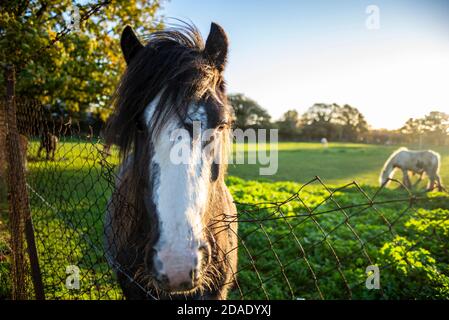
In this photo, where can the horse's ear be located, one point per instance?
(216, 48)
(130, 44)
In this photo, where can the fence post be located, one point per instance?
(19, 209)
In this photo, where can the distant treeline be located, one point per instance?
(339, 123)
(331, 121)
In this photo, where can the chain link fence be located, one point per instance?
(296, 241)
(304, 242)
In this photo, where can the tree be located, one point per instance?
(353, 123)
(436, 125)
(248, 113)
(316, 122)
(77, 73)
(412, 130)
(432, 129)
(288, 125)
(333, 122)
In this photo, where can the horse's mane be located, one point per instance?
(171, 65)
(394, 154)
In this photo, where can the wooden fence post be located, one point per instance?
(19, 209)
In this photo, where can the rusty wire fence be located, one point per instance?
(309, 241)
(296, 241)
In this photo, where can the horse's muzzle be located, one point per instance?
(181, 271)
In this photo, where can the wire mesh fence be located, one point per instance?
(326, 245)
(294, 241)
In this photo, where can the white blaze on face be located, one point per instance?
(180, 194)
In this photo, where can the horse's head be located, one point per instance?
(172, 119)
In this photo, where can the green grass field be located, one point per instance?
(290, 253)
(338, 164)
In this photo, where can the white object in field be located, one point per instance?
(324, 142)
(415, 161)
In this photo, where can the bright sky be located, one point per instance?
(292, 54)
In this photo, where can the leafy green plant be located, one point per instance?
(313, 246)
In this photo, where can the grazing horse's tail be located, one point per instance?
(388, 168)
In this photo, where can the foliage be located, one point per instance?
(75, 188)
(78, 73)
(248, 113)
(413, 264)
(340, 123)
(433, 128)
(288, 125)
(334, 122)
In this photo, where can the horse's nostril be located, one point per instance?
(178, 285)
(180, 271)
(162, 278)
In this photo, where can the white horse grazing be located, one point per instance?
(324, 142)
(417, 162)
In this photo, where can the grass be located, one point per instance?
(338, 164)
(69, 197)
(335, 246)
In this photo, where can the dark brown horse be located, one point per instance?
(49, 143)
(166, 234)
